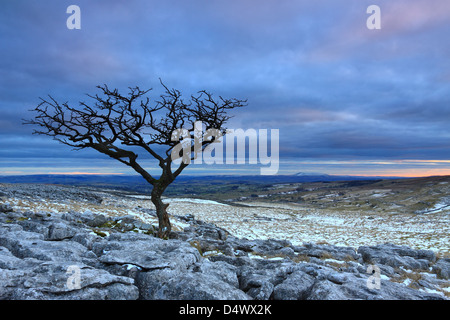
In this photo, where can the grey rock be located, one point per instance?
(397, 256)
(150, 281)
(9, 217)
(206, 245)
(287, 252)
(317, 271)
(10, 281)
(9, 227)
(40, 215)
(151, 253)
(297, 286)
(197, 286)
(442, 268)
(270, 246)
(337, 277)
(143, 226)
(132, 236)
(125, 223)
(327, 251)
(60, 231)
(38, 248)
(259, 279)
(10, 261)
(86, 239)
(170, 284)
(355, 288)
(23, 244)
(96, 220)
(52, 280)
(125, 219)
(34, 226)
(33, 268)
(221, 270)
(385, 270)
(396, 291)
(5, 207)
(240, 261)
(74, 216)
(326, 290)
(263, 292)
(207, 230)
(253, 278)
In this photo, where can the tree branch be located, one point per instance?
(115, 120)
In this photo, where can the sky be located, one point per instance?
(346, 99)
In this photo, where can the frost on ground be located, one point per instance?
(109, 234)
(251, 220)
(298, 225)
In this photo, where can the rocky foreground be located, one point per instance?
(92, 256)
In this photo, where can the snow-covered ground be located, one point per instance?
(299, 225)
(439, 207)
(196, 201)
(263, 220)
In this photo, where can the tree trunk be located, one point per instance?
(164, 226)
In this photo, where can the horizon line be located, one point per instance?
(227, 174)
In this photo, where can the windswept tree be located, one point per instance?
(117, 125)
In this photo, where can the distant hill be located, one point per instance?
(117, 179)
(137, 183)
(316, 174)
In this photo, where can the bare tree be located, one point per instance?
(115, 124)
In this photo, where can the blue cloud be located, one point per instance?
(310, 69)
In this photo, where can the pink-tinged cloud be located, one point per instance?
(404, 173)
(409, 16)
(399, 19)
(376, 168)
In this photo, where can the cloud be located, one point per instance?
(407, 29)
(309, 68)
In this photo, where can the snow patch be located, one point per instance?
(197, 201)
